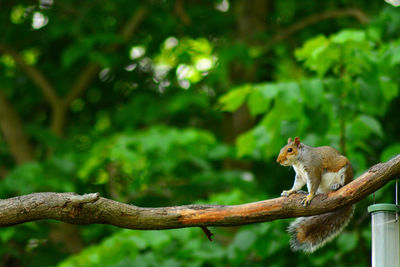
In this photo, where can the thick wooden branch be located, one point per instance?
(93, 209)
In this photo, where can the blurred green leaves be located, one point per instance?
(344, 51)
(347, 241)
(184, 247)
(151, 128)
(86, 48)
(147, 160)
(52, 175)
(159, 149)
(235, 98)
(390, 152)
(352, 85)
(192, 58)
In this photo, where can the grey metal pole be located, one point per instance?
(385, 235)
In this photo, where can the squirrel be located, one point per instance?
(323, 169)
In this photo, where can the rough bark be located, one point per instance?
(91, 208)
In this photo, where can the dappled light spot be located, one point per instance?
(146, 64)
(222, 6)
(39, 20)
(46, 4)
(105, 75)
(170, 42)
(161, 70)
(395, 3)
(131, 67)
(184, 71)
(137, 52)
(185, 84)
(204, 64)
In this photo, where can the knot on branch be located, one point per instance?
(91, 208)
(75, 202)
(75, 199)
(376, 167)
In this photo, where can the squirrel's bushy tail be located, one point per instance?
(310, 233)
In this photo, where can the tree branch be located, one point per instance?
(315, 18)
(132, 25)
(91, 70)
(58, 104)
(12, 129)
(91, 208)
(180, 12)
(35, 74)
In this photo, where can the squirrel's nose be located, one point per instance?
(278, 160)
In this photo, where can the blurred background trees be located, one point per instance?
(159, 103)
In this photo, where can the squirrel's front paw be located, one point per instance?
(286, 193)
(307, 200)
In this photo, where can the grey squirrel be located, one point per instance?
(323, 169)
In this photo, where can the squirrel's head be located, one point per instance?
(289, 153)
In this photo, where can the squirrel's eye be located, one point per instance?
(289, 149)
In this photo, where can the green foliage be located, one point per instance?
(351, 86)
(183, 247)
(193, 107)
(390, 152)
(234, 98)
(52, 175)
(151, 157)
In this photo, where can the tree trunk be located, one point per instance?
(13, 132)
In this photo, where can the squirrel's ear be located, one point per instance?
(297, 141)
(289, 140)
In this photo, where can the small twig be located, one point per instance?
(315, 18)
(181, 13)
(208, 233)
